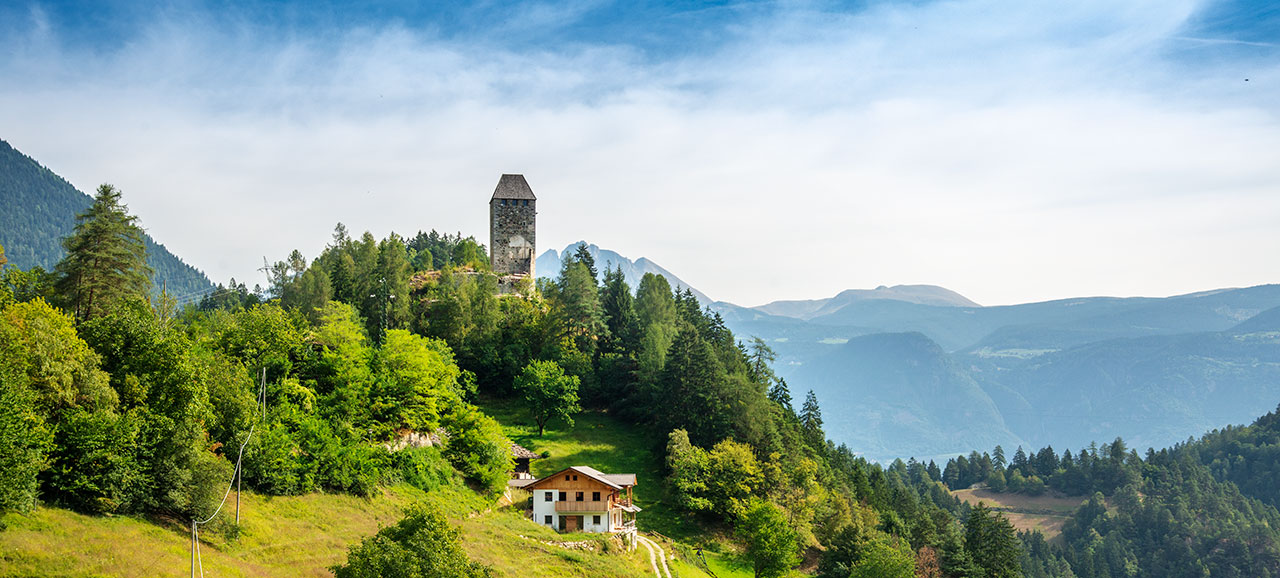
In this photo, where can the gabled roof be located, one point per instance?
(616, 481)
(513, 187)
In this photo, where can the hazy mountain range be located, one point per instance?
(904, 378)
(919, 370)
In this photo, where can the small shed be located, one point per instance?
(522, 457)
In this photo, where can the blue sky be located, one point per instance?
(1010, 151)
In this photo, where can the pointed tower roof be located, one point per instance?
(513, 187)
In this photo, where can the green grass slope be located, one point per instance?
(294, 536)
(301, 536)
(610, 445)
(606, 444)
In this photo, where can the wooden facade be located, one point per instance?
(581, 498)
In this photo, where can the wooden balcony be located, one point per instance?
(583, 506)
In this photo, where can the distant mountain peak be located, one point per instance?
(918, 294)
(548, 266)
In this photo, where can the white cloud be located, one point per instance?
(1005, 150)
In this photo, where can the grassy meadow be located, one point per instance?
(1046, 513)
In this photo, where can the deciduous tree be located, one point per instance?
(548, 392)
(771, 543)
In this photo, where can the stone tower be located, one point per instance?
(512, 213)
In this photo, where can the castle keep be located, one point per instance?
(512, 212)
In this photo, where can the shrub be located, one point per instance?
(422, 545)
(477, 447)
(93, 467)
(423, 468)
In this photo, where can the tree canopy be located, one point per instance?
(106, 259)
(548, 392)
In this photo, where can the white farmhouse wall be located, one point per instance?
(542, 508)
(603, 526)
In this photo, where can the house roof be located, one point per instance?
(623, 480)
(616, 481)
(517, 451)
(513, 187)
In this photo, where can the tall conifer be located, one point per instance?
(106, 259)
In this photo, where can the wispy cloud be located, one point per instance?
(1007, 150)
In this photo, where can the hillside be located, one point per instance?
(39, 209)
(1153, 391)
(1154, 371)
(318, 528)
(288, 536)
(900, 394)
(1045, 514)
(1048, 372)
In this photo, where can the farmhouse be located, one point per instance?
(584, 499)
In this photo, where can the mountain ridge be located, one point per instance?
(549, 262)
(919, 294)
(40, 208)
(1062, 371)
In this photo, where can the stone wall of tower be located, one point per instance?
(512, 236)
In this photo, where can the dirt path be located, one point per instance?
(655, 551)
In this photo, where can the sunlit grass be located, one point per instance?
(607, 444)
(291, 536)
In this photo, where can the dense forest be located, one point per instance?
(117, 401)
(1204, 507)
(39, 209)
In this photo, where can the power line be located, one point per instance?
(196, 561)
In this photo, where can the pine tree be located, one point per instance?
(781, 395)
(583, 255)
(692, 389)
(106, 259)
(619, 311)
(579, 299)
(992, 542)
(1019, 460)
(811, 420)
(761, 357)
